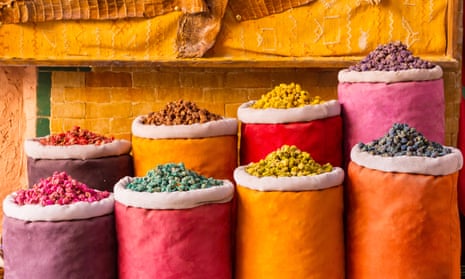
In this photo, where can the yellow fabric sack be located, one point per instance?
(209, 149)
(295, 234)
(402, 224)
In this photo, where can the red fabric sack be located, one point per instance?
(316, 129)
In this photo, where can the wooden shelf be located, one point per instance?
(447, 63)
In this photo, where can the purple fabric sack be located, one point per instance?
(74, 249)
(99, 173)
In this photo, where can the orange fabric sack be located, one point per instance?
(209, 149)
(402, 224)
(289, 233)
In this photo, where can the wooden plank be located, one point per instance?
(447, 63)
(452, 28)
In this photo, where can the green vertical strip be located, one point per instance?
(42, 126)
(44, 88)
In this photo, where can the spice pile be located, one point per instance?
(287, 161)
(404, 140)
(60, 188)
(75, 136)
(171, 177)
(286, 96)
(393, 56)
(180, 113)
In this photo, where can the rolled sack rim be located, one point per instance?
(346, 75)
(172, 200)
(223, 127)
(36, 150)
(55, 212)
(327, 109)
(443, 165)
(289, 184)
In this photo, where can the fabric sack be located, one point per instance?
(170, 235)
(289, 227)
(72, 241)
(98, 166)
(372, 101)
(316, 129)
(402, 216)
(209, 149)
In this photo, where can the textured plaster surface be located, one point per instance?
(17, 121)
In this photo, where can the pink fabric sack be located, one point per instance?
(172, 235)
(372, 103)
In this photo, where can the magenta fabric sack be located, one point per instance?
(174, 235)
(72, 241)
(99, 167)
(372, 101)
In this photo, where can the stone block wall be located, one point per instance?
(107, 100)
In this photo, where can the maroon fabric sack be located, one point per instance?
(99, 173)
(75, 249)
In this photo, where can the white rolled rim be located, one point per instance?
(289, 184)
(172, 200)
(247, 114)
(55, 212)
(223, 127)
(346, 75)
(443, 165)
